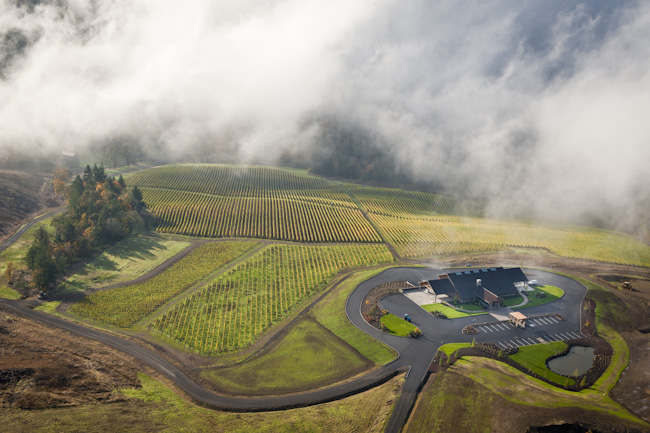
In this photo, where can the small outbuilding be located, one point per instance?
(518, 319)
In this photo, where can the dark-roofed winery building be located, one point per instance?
(488, 286)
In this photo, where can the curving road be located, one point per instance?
(415, 355)
(418, 353)
(21, 231)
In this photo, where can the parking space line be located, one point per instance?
(576, 335)
(502, 345)
(531, 340)
(485, 328)
(568, 337)
(495, 328)
(553, 319)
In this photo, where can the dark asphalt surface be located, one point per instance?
(418, 353)
(415, 355)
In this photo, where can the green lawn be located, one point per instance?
(552, 293)
(451, 313)
(330, 312)
(449, 348)
(307, 357)
(125, 261)
(396, 325)
(471, 307)
(516, 300)
(534, 358)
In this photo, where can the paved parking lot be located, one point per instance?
(529, 341)
(506, 326)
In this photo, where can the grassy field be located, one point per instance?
(552, 293)
(452, 403)
(534, 358)
(157, 408)
(232, 312)
(125, 261)
(520, 388)
(396, 325)
(307, 357)
(451, 313)
(124, 306)
(330, 312)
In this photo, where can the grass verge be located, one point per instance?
(8, 293)
(330, 312)
(307, 357)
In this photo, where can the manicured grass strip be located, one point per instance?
(330, 312)
(241, 304)
(451, 313)
(124, 306)
(552, 293)
(307, 357)
(449, 348)
(396, 325)
(125, 261)
(534, 358)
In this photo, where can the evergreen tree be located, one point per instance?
(99, 175)
(88, 177)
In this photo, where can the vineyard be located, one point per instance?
(423, 236)
(239, 306)
(270, 203)
(124, 306)
(259, 202)
(397, 202)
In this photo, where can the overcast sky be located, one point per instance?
(541, 105)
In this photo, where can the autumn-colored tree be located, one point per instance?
(61, 177)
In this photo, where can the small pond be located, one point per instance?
(579, 358)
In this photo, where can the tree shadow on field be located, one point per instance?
(140, 247)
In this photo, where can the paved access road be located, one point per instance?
(418, 353)
(415, 354)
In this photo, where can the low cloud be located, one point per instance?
(537, 106)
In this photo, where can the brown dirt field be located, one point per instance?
(42, 367)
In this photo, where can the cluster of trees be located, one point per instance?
(119, 152)
(101, 211)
